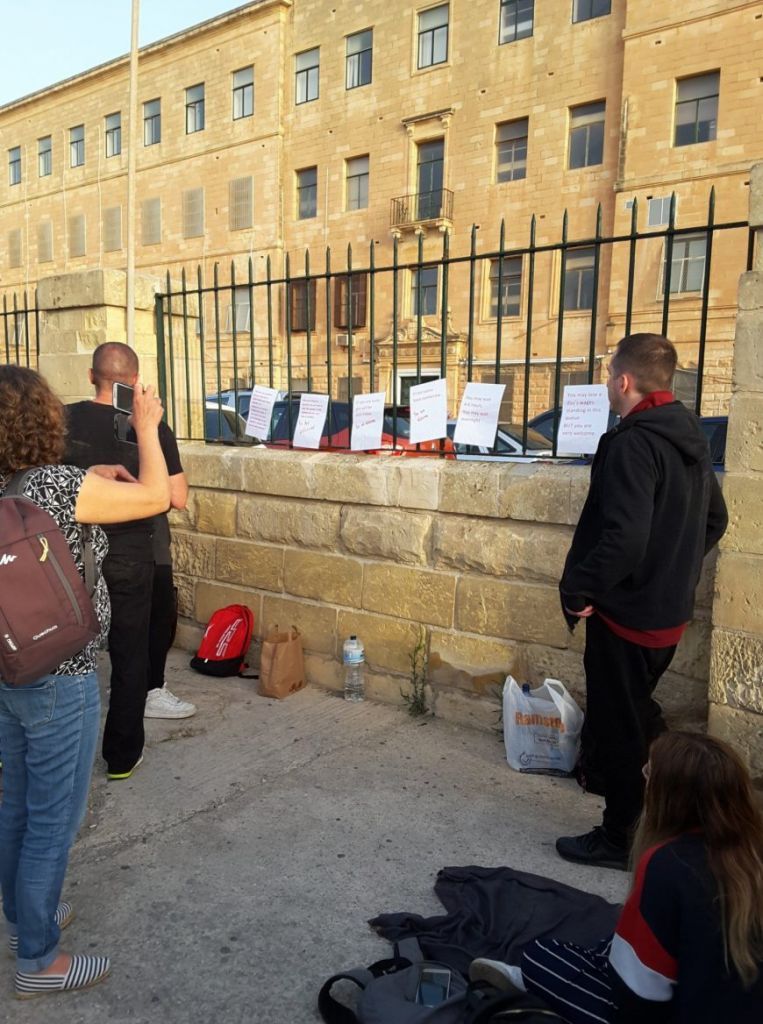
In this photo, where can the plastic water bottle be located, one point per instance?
(353, 657)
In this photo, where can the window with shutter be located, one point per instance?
(193, 212)
(44, 241)
(151, 221)
(356, 300)
(240, 204)
(77, 245)
(112, 229)
(14, 248)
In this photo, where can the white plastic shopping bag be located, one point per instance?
(541, 727)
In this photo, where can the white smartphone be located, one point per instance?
(434, 986)
(121, 397)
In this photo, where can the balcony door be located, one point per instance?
(429, 177)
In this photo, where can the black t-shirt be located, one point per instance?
(92, 440)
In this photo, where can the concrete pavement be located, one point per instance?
(237, 869)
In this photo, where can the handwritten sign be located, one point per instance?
(478, 416)
(367, 421)
(260, 411)
(311, 420)
(429, 410)
(585, 414)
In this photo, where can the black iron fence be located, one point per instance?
(20, 329)
(534, 316)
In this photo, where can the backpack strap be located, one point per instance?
(334, 1012)
(409, 949)
(15, 488)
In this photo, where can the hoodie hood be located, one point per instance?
(673, 422)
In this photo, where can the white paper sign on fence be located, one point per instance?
(311, 420)
(478, 416)
(429, 410)
(585, 414)
(260, 411)
(367, 421)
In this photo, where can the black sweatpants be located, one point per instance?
(162, 624)
(622, 719)
(130, 585)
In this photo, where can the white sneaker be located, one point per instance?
(160, 703)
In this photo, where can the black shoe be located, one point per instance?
(593, 848)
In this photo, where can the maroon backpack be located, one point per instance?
(46, 611)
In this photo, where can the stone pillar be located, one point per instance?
(736, 668)
(80, 311)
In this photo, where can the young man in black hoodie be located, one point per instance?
(654, 510)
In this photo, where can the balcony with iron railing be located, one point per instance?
(419, 209)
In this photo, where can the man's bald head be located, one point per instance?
(114, 362)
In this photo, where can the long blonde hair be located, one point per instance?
(698, 783)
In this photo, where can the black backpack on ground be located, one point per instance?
(389, 988)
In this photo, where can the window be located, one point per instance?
(151, 221)
(424, 292)
(584, 10)
(77, 236)
(586, 135)
(355, 295)
(433, 36)
(44, 157)
(697, 109)
(307, 193)
(14, 248)
(299, 303)
(359, 59)
(44, 241)
(578, 279)
(507, 375)
(687, 265)
(193, 212)
(511, 150)
(152, 122)
(243, 93)
(240, 204)
(516, 20)
(77, 146)
(113, 134)
(14, 166)
(659, 211)
(430, 170)
(510, 286)
(194, 109)
(357, 183)
(567, 378)
(307, 71)
(242, 309)
(112, 229)
(343, 389)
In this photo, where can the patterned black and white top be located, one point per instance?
(55, 489)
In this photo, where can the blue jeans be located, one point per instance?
(48, 735)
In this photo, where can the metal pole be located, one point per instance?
(132, 145)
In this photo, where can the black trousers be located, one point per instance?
(162, 624)
(622, 719)
(130, 585)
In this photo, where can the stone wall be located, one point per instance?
(379, 546)
(736, 685)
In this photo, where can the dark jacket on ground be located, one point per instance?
(654, 509)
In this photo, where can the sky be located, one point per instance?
(71, 36)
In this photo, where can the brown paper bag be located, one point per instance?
(282, 664)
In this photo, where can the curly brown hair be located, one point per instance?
(32, 421)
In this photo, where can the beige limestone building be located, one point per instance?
(289, 125)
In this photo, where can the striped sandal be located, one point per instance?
(64, 916)
(84, 972)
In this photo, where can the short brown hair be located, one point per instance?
(649, 358)
(32, 421)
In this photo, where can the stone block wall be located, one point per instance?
(383, 546)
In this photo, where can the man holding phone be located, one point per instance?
(98, 434)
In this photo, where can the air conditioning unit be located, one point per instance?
(343, 340)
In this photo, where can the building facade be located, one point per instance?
(289, 126)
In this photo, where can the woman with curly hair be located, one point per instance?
(49, 728)
(688, 947)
